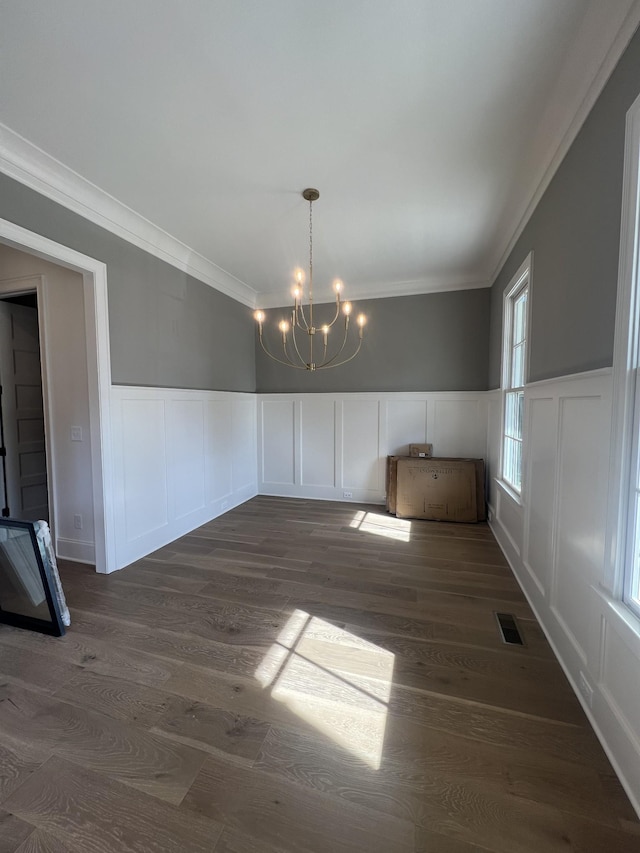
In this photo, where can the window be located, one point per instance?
(514, 370)
(623, 574)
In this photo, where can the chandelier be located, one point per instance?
(318, 354)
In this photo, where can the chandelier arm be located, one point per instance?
(302, 366)
(287, 363)
(299, 311)
(340, 363)
(339, 351)
(337, 314)
(295, 345)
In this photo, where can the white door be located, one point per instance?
(22, 414)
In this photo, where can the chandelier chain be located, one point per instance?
(311, 249)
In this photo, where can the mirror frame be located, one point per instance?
(54, 625)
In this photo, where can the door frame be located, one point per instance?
(96, 321)
(15, 287)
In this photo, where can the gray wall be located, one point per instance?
(166, 328)
(574, 233)
(433, 342)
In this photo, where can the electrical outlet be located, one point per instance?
(76, 433)
(586, 689)
(77, 522)
(347, 494)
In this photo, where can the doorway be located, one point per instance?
(96, 357)
(23, 458)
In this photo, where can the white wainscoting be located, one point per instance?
(326, 445)
(555, 542)
(181, 458)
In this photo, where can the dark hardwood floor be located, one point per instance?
(300, 677)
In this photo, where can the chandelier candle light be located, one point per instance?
(302, 320)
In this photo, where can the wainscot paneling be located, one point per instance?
(554, 539)
(494, 420)
(455, 425)
(542, 429)
(360, 428)
(317, 442)
(181, 458)
(334, 446)
(278, 449)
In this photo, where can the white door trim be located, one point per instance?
(29, 284)
(94, 275)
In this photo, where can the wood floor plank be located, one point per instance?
(104, 816)
(417, 767)
(434, 842)
(18, 760)
(443, 564)
(619, 803)
(222, 583)
(408, 586)
(77, 574)
(500, 661)
(97, 654)
(215, 620)
(436, 623)
(229, 556)
(234, 841)
(281, 813)
(100, 743)
(167, 714)
(186, 597)
(43, 842)
(440, 668)
(41, 671)
(214, 730)
(436, 605)
(229, 586)
(169, 645)
(13, 832)
(119, 698)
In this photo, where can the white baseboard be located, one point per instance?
(76, 551)
(324, 493)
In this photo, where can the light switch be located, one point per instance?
(76, 433)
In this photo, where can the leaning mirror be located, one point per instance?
(27, 593)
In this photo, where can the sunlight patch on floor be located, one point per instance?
(333, 680)
(382, 525)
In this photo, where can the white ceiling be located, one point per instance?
(429, 126)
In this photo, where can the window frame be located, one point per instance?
(621, 579)
(521, 281)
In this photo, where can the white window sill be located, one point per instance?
(509, 491)
(628, 624)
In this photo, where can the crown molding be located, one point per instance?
(33, 167)
(595, 80)
(382, 291)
